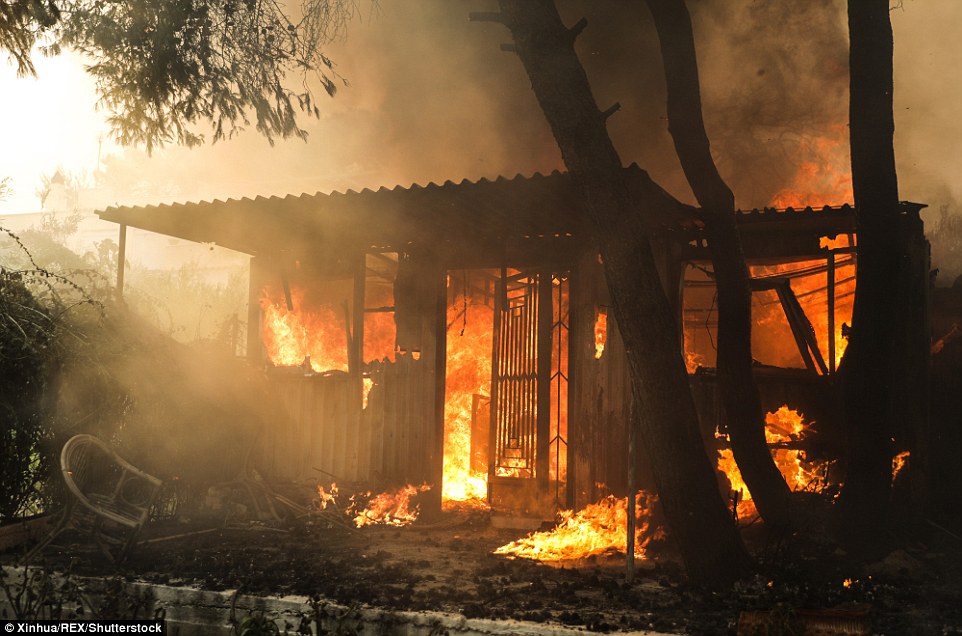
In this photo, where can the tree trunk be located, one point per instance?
(736, 382)
(869, 369)
(668, 424)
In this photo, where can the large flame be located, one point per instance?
(393, 508)
(293, 336)
(774, 342)
(599, 528)
(824, 177)
(468, 374)
(783, 425)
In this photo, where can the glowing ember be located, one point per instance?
(468, 374)
(293, 337)
(600, 528)
(783, 425)
(388, 508)
(601, 332)
(825, 178)
(898, 463)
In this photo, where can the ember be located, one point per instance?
(783, 425)
(600, 528)
(388, 508)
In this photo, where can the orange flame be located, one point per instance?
(898, 463)
(783, 425)
(293, 337)
(327, 497)
(825, 178)
(388, 508)
(599, 528)
(601, 332)
(468, 374)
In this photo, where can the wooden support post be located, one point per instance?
(830, 269)
(630, 548)
(254, 311)
(356, 355)
(121, 260)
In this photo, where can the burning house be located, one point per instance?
(458, 335)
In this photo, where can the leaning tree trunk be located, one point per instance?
(736, 382)
(668, 424)
(869, 368)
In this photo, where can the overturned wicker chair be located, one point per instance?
(106, 496)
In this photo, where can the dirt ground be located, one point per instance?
(447, 565)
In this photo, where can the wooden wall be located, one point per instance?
(598, 393)
(396, 439)
(328, 437)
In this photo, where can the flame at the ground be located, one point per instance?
(467, 385)
(783, 425)
(393, 508)
(599, 528)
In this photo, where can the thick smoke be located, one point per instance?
(432, 98)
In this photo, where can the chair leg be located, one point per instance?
(62, 525)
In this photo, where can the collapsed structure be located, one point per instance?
(457, 335)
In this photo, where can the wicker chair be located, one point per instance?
(107, 497)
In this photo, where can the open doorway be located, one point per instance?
(506, 390)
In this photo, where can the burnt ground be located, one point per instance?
(447, 566)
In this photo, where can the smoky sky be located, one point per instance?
(433, 98)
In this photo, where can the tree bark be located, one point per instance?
(869, 367)
(736, 382)
(668, 426)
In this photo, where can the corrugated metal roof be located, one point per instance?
(468, 213)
